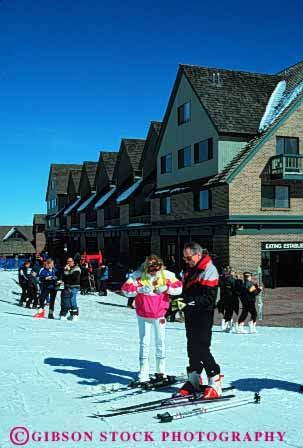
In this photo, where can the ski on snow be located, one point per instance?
(168, 400)
(172, 404)
(167, 417)
(141, 388)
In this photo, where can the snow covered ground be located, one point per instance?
(52, 371)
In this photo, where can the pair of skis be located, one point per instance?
(172, 402)
(135, 388)
(166, 417)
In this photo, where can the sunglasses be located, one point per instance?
(154, 267)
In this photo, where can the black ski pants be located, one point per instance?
(249, 306)
(231, 307)
(24, 294)
(33, 295)
(43, 296)
(198, 326)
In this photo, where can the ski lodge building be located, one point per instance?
(224, 168)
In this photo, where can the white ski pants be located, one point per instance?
(145, 326)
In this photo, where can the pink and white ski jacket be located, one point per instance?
(152, 292)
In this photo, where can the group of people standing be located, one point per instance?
(233, 290)
(40, 281)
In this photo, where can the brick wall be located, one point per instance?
(245, 250)
(245, 189)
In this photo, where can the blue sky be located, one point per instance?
(77, 76)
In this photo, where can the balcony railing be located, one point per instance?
(287, 167)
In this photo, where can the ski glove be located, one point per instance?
(161, 289)
(145, 289)
(180, 303)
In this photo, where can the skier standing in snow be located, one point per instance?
(48, 281)
(71, 279)
(32, 290)
(229, 294)
(200, 286)
(23, 276)
(151, 286)
(248, 295)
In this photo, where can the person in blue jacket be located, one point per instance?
(48, 282)
(103, 275)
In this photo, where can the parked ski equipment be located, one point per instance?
(167, 417)
(180, 401)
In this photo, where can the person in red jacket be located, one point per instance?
(200, 288)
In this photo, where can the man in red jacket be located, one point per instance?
(200, 286)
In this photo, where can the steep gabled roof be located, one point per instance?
(293, 76)
(109, 159)
(60, 171)
(234, 100)
(91, 168)
(10, 246)
(249, 149)
(76, 175)
(134, 148)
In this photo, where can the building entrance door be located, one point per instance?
(287, 268)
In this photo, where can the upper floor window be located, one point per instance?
(184, 157)
(165, 205)
(287, 145)
(275, 196)
(166, 164)
(203, 150)
(184, 113)
(202, 200)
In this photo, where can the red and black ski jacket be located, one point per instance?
(200, 284)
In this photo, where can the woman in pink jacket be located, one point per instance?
(151, 286)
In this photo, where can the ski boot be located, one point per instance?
(214, 387)
(40, 314)
(223, 325)
(229, 326)
(252, 327)
(192, 386)
(51, 314)
(239, 328)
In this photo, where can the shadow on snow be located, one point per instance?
(259, 384)
(92, 373)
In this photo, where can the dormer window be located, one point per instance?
(287, 145)
(184, 113)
